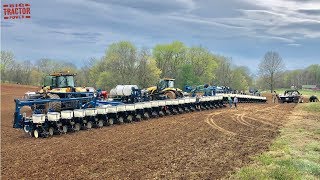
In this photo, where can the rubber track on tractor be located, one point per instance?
(55, 105)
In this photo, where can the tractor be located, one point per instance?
(56, 86)
(164, 90)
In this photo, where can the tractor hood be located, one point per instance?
(152, 88)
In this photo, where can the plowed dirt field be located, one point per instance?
(201, 145)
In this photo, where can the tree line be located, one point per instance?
(124, 63)
(272, 74)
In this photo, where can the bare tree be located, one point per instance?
(271, 67)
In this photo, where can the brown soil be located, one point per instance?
(201, 145)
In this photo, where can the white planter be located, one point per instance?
(79, 113)
(121, 108)
(66, 114)
(91, 112)
(192, 100)
(38, 118)
(130, 107)
(181, 101)
(154, 103)
(112, 109)
(168, 102)
(102, 110)
(175, 102)
(187, 100)
(147, 105)
(139, 106)
(162, 103)
(53, 116)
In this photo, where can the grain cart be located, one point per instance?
(291, 96)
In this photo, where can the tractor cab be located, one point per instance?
(165, 83)
(59, 80)
(61, 83)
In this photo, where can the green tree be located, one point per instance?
(198, 68)
(169, 58)
(124, 64)
(7, 61)
(148, 74)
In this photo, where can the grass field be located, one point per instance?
(293, 155)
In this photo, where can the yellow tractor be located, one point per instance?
(164, 89)
(56, 86)
(62, 82)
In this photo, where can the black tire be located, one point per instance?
(77, 127)
(64, 129)
(50, 131)
(36, 133)
(110, 121)
(129, 118)
(161, 113)
(146, 115)
(168, 112)
(100, 123)
(89, 125)
(55, 106)
(120, 120)
(138, 117)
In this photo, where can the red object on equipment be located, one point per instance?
(104, 94)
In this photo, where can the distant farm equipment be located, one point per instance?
(290, 96)
(164, 89)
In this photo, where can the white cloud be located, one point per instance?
(294, 44)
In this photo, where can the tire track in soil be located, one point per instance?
(211, 123)
(241, 119)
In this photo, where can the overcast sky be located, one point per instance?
(75, 30)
